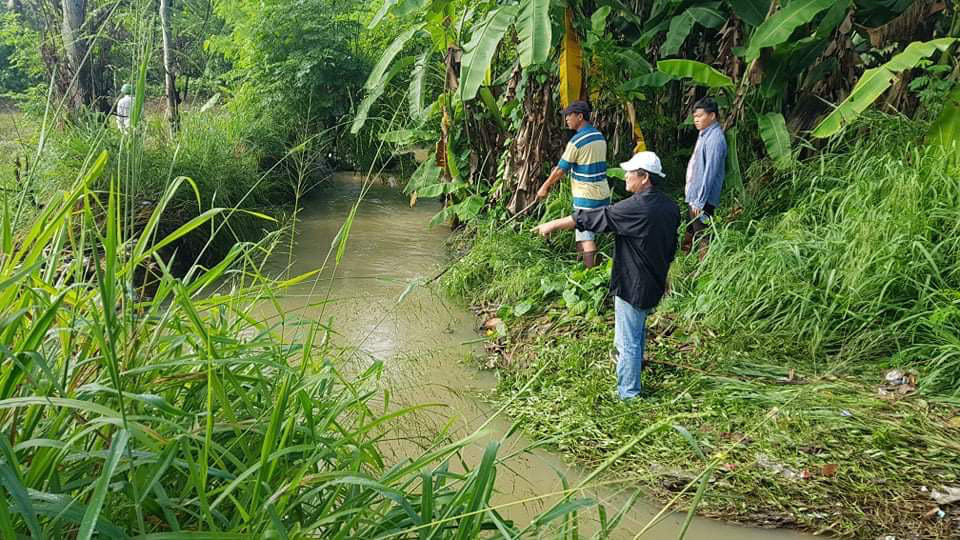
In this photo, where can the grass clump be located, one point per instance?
(232, 159)
(863, 270)
(500, 266)
(774, 349)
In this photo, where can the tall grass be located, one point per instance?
(170, 411)
(157, 418)
(863, 267)
(231, 162)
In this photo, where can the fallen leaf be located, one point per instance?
(954, 422)
(947, 496)
(730, 467)
(805, 474)
(828, 470)
(766, 462)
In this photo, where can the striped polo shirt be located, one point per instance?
(586, 158)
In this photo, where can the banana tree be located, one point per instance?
(876, 81)
(530, 20)
(786, 50)
(775, 64)
(468, 38)
(945, 132)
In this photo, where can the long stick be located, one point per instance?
(513, 217)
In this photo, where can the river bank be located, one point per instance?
(837, 452)
(426, 345)
(809, 356)
(234, 164)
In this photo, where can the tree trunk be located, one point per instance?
(173, 114)
(79, 90)
(533, 147)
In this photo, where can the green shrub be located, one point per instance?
(235, 160)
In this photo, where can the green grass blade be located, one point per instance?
(564, 509)
(482, 486)
(426, 502)
(117, 446)
(10, 480)
(692, 512)
(183, 230)
(196, 535)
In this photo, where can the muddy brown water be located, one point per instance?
(424, 343)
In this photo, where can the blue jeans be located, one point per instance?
(630, 334)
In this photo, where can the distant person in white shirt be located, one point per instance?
(124, 106)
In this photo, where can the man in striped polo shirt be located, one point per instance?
(586, 158)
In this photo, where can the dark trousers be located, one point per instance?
(697, 231)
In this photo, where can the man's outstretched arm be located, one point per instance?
(561, 224)
(614, 218)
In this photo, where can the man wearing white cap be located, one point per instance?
(645, 225)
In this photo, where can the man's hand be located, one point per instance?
(543, 191)
(695, 211)
(543, 230)
(555, 175)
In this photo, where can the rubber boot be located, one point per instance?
(703, 245)
(687, 244)
(589, 259)
(579, 251)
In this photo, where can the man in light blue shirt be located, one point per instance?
(705, 173)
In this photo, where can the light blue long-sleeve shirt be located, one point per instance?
(707, 168)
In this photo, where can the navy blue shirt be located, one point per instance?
(646, 226)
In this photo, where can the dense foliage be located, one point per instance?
(297, 58)
(775, 67)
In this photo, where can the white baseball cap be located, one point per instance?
(647, 161)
